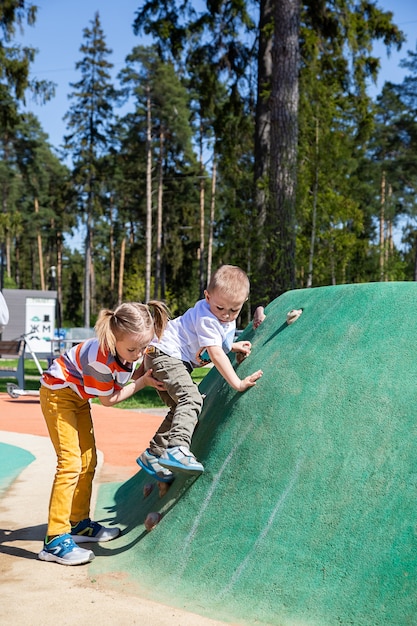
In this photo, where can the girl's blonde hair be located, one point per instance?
(230, 280)
(131, 318)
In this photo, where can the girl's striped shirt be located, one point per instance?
(88, 371)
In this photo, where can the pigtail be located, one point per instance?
(132, 318)
(104, 331)
(161, 316)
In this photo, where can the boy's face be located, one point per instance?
(224, 307)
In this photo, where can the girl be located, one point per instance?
(99, 367)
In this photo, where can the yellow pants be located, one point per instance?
(68, 418)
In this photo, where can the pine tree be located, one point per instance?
(15, 63)
(162, 115)
(89, 119)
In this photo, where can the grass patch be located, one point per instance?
(148, 398)
(32, 375)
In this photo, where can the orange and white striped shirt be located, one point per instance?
(88, 371)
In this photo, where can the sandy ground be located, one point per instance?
(36, 593)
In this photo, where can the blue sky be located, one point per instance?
(58, 35)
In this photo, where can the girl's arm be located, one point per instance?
(221, 361)
(139, 371)
(146, 380)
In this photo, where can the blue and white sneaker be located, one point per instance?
(181, 459)
(63, 550)
(87, 530)
(150, 463)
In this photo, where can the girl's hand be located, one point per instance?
(149, 381)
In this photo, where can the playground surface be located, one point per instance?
(305, 514)
(38, 593)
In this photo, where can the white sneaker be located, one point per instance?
(180, 459)
(150, 463)
(63, 550)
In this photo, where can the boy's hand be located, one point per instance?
(258, 317)
(250, 380)
(243, 349)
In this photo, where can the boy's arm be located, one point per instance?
(221, 361)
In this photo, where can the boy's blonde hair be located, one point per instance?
(131, 318)
(230, 280)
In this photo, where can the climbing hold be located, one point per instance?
(293, 315)
(163, 488)
(147, 489)
(152, 520)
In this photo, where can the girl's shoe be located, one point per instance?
(150, 463)
(65, 551)
(87, 530)
(181, 459)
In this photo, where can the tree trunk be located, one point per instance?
(111, 250)
(284, 141)
(415, 259)
(148, 197)
(40, 253)
(389, 244)
(121, 271)
(87, 265)
(332, 262)
(202, 219)
(314, 217)
(211, 222)
(59, 246)
(157, 286)
(381, 229)
(93, 284)
(8, 260)
(262, 142)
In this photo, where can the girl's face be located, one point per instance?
(224, 307)
(130, 348)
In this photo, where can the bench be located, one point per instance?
(14, 349)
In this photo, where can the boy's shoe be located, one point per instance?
(181, 459)
(150, 463)
(87, 530)
(65, 551)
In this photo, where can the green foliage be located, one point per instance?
(72, 305)
(200, 75)
(337, 190)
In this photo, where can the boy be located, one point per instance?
(205, 333)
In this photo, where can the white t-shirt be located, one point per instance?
(4, 312)
(187, 336)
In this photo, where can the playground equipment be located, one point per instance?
(14, 390)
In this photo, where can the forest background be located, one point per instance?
(191, 176)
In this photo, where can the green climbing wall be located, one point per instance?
(306, 513)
